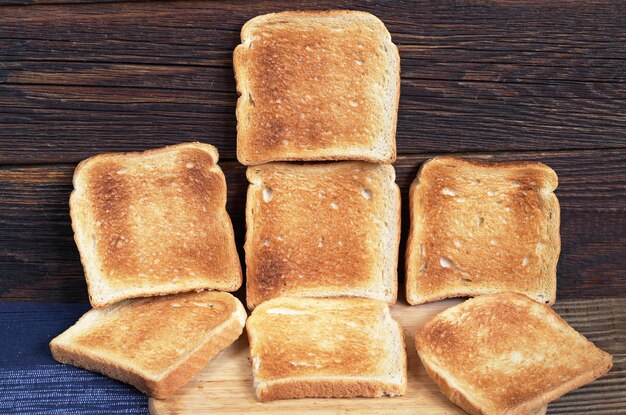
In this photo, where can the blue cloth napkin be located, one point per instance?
(31, 382)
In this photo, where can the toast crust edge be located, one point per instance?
(329, 388)
(457, 396)
(396, 247)
(416, 227)
(536, 406)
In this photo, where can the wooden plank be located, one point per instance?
(225, 384)
(338, 3)
(65, 2)
(476, 77)
(39, 261)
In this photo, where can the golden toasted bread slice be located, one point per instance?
(153, 223)
(506, 354)
(316, 85)
(326, 347)
(480, 228)
(322, 230)
(155, 344)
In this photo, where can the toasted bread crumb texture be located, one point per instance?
(155, 344)
(481, 227)
(339, 347)
(154, 223)
(505, 353)
(322, 230)
(316, 86)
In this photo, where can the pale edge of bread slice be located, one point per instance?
(461, 397)
(244, 102)
(417, 230)
(331, 386)
(81, 222)
(168, 381)
(389, 263)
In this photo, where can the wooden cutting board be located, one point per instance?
(225, 384)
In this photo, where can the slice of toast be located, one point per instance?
(506, 354)
(325, 348)
(153, 223)
(482, 227)
(316, 85)
(322, 230)
(155, 344)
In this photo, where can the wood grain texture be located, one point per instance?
(39, 260)
(476, 76)
(225, 384)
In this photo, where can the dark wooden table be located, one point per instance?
(536, 80)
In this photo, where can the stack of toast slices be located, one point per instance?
(317, 114)
(322, 238)
(153, 224)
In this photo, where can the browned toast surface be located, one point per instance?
(505, 353)
(153, 223)
(482, 227)
(322, 230)
(316, 85)
(156, 344)
(326, 347)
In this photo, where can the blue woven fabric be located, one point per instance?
(31, 382)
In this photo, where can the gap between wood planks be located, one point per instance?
(74, 3)
(501, 154)
(520, 81)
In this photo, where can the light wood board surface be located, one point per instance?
(225, 384)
